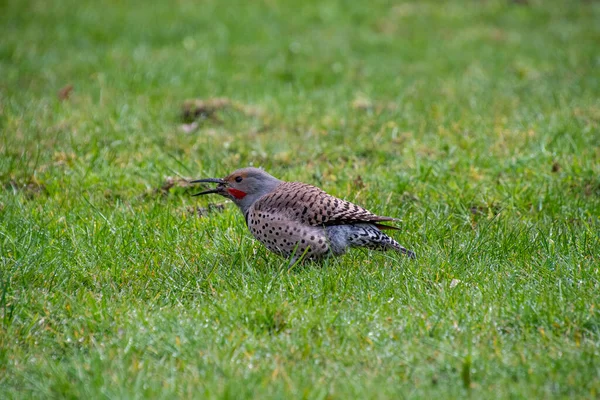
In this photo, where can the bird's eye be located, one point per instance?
(238, 179)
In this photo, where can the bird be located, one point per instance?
(299, 221)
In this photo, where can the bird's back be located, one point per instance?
(311, 206)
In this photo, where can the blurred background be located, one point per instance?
(337, 85)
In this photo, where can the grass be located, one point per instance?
(477, 123)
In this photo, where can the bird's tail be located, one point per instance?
(396, 246)
(369, 236)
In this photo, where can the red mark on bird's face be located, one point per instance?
(238, 194)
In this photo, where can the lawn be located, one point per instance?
(477, 123)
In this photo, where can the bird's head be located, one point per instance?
(243, 186)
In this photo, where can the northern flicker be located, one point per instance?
(297, 220)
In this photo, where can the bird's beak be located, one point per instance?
(218, 189)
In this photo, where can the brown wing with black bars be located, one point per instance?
(310, 205)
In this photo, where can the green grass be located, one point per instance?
(477, 123)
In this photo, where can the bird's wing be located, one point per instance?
(312, 206)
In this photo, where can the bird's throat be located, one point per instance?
(238, 194)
